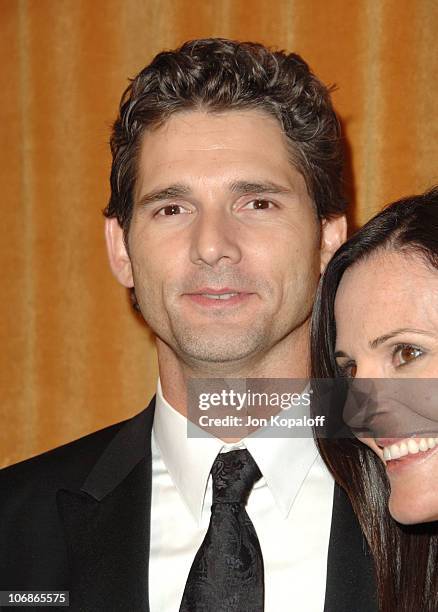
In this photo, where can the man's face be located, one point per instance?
(224, 242)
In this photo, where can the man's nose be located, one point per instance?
(215, 239)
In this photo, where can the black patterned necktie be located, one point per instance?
(227, 573)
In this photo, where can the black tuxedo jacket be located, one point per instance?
(78, 519)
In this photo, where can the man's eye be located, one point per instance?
(172, 209)
(404, 353)
(259, 204)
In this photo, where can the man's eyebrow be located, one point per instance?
(243, 187)
(172, 191)
(402, 330)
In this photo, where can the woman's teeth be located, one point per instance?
(408, 447)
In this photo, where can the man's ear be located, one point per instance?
(333, 234)
(117, 253)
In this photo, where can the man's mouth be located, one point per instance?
(219, 296)
(225, 296)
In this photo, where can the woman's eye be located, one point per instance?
(172, 209)
(404, 353)
(347, 370)
(259, 204)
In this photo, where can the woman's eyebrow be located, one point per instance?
(373, 344)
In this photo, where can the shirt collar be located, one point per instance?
(284, 462)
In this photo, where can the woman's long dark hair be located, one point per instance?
(406, 557)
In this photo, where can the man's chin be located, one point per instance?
(228, 348)
(216, 354)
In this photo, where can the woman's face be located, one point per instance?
(386, 312)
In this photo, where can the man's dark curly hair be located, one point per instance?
(217, 75)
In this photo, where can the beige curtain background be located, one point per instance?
(73, 356)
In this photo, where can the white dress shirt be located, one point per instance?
(290, 507)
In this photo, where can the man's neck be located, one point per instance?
(286, 360)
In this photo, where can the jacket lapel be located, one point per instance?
(107, 532)
(107, 524)
(351, 583)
